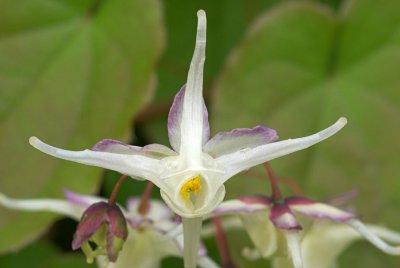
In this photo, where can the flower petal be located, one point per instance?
(261, 231)
(373, 238)
(81, 200)
(239, 139)
(238, 206)
(293, 242)
(283, 218)
(325, 241)
(175, 119)
(158, 210)
(318, 210)
(157, 151)
(245, 159)
(52, 205)
(136, 166)
(206, 262)
(192, 121)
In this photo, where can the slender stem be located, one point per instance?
(276, 192)
(222, 242)
(144, 205)
(191, 238)
(113, 196)
(290, 183)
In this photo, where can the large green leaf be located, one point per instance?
(299, 69)
(71, 73)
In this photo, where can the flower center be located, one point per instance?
(192, 186)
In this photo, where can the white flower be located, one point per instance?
(147, 243)
(266, 221)
(191, 176)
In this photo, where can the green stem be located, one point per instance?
(191, 233)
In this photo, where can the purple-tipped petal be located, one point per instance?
(118, 147)
(117, 222)
(239, 139)
(132, 204)
(93, 217)
(318, 210)
(81, 200)
(239, 206)
(241, 160)
(91, 226)
(283, 218)
(175, 118)
(137, 166)
(135, 222)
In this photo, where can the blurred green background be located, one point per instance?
(73, 72)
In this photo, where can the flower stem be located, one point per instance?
(144, 205)
(191, 234)
(222, 243)
(113, 196)
(276, 192)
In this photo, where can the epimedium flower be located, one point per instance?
(192, 174)
(268, 219)
(148, 223)
(324, 241)
(105, 225)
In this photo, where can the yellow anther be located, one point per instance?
(191, 186)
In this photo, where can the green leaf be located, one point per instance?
(299, 69)
(71, 73)
(34, 255)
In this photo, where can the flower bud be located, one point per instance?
(105, 225)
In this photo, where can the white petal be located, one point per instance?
(82, 200)
(52, 205)
(319, 210)
(175, 120)
(229, 223)
(208, 198)
(385, 234)
(192, 113)
(325, 241)
(293, 242)
(245, 159)
(239, 139)
(373, 238)
(261, 231)
(237, 206)
(191, 233)
(136, 166)
(143, 249)
(158, 210)
(157, 151)
(206, 262)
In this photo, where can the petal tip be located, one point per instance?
(201, 13)
(34, 141)
(201, 26)
(342, 121)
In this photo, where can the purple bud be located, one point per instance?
(282, 217)
(105, 225)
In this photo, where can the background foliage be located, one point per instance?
(73, 72)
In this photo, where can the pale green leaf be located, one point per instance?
(71, 73)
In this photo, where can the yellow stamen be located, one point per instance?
(191, 186)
